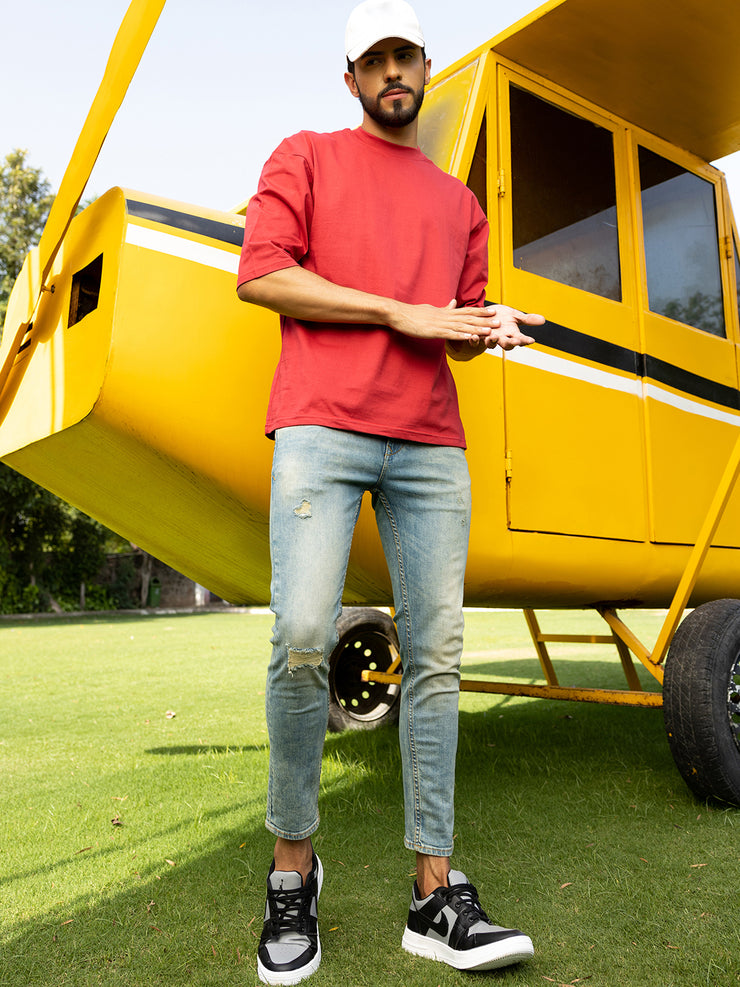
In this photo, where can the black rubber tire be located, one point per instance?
(367, 639)
(701, 700)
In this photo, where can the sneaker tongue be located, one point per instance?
(285, 880)
(456, 877)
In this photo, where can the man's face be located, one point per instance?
(389, 81)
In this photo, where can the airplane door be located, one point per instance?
(690, 318)
(573, 402)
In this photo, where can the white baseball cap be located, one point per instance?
(374, 20)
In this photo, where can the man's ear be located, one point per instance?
(351, 84)
(427, 71)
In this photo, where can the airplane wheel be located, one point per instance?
(367, 639)
(701, 700)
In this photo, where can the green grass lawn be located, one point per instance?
(133, 850)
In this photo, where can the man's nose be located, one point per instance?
(392, 69)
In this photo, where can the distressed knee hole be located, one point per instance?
(303, 510)
(304, 658)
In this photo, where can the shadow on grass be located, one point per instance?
(92, 853)
(522, 769)
(581, 672)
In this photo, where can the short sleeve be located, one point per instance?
(278, 218)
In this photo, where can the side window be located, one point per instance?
(563, 196)
(679, 218)
(442, 115)
(477, 177)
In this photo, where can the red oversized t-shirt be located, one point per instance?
(367, 214)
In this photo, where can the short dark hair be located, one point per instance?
(351, 65)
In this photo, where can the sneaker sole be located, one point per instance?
(289, 977)
(286, 978)
(489, 957)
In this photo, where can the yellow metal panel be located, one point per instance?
(59, 376)
(186, 385)
(574, 470)
(687, 454)
(704, 540)
(481, 395)
(668, 66)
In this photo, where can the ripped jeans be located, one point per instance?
(421, 497)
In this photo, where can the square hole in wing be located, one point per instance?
(85, 290)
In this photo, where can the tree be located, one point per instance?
(25, 200)
(28, 523)
(701, 311)
(47, 548)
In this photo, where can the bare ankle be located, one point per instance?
(431, 873)
(294, 855)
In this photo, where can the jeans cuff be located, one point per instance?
(428, 850)
(285, 835)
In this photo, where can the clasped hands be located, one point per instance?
(468, 331)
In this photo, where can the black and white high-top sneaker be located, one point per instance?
(289, 948)
(451, 926)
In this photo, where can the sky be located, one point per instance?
(219, 86)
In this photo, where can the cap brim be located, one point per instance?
(360, 49)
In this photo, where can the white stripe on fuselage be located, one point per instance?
(178, 246)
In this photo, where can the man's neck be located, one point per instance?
(403, 136)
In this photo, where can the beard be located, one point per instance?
(396, 116)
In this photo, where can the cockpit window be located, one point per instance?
(564, 196)
(679, 217)
(442, 114)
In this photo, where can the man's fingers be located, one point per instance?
(530, 318)
(508, 340)
(510, 344)
(474, 325)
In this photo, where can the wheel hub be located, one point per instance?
(733, 700)
(363, 700)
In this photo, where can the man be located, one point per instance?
(377, 263)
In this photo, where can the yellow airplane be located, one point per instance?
(603, 458)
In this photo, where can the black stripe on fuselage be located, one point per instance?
(683, 380)
(552, 335)
(587, 347)
(211, 228)
(608, 354)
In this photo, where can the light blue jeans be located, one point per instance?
(421, 497)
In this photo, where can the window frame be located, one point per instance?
(510, 75)
(666, 338)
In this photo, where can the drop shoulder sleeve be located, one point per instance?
(278, 219)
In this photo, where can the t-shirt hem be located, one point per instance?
(368, 428)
